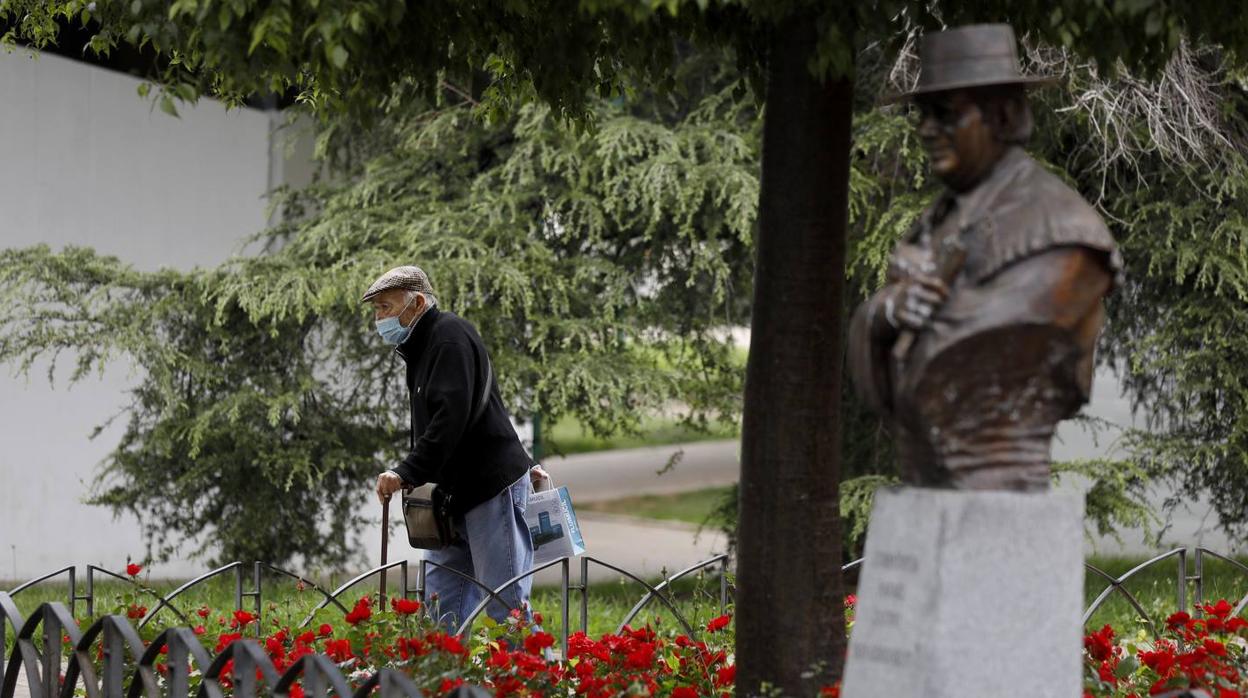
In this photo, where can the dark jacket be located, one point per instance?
(471, 460)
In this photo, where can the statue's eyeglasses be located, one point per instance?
(942, 110)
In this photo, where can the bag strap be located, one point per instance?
(484, 401)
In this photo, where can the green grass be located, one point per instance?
(567, 436)
(1156, 589)
(691, 507)
(610, 602)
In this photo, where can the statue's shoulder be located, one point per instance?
(1035, 213)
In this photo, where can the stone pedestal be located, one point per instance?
(969, 595)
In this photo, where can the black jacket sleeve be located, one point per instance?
(448, 395)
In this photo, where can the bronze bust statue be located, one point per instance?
(982, 339)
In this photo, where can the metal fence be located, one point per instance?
(39, 638)
(1181, 576)
(38, 641)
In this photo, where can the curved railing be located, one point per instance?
(1199, 579)
(38, 642)
(1116, 585)
(179, 653)
(109, 626)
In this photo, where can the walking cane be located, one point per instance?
(385, 544)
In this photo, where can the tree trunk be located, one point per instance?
(790, 615)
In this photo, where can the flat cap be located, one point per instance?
(410, 277)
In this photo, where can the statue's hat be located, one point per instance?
(977, 55)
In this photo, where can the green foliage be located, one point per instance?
(599, 267)
(344, 56)
(1114, 499)
(1167, 165)
(857, 498)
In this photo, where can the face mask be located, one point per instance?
(391, 330)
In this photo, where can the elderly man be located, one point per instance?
(470, 451)
(982, 339)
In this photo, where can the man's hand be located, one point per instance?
(387, 484)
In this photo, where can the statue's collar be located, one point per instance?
(972, 206)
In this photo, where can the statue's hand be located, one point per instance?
(910, 303)
(909, 261)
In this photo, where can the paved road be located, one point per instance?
(594, 477)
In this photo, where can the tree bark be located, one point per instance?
(790, 615)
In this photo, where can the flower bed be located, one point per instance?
(512, 658)
(515, 658)
(1209, 652)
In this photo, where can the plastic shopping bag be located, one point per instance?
(553, 526)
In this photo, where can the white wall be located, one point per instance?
(85, 161)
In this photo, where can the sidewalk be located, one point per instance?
(646, 547)
(594, 477)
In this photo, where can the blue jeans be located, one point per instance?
(494, 547)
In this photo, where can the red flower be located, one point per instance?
(1100, 644)
(643, 634)
(136, 611)
(361, 612)
(200, 630)
(535, 643)
(276, 644)
(833, 691)
(1178, 620)
(225, 640)
(447, 643)
(203, 612)
(718, 624)
(325, 630)
(133, 570)
(1106, 673)
(499, 659)
(1220, 610)
(306, 638)
(405, 607)
(537, 618)
(1215, 648)
(339, 651)
(642, 657)
(851, 601)
(1160, 661)
(725, 676)
(411, 646)
(684, 692)
(243, 618)
(296, 691)
(448, 685)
